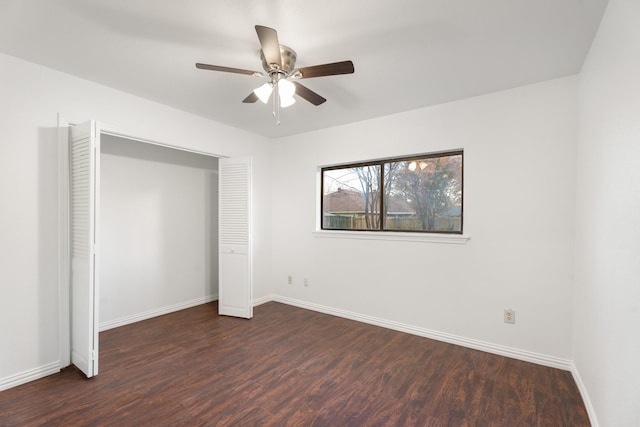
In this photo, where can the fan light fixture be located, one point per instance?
(278, 62)
(264, 92)
(285, 88)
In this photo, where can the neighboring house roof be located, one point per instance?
(398, 205)
(344, 201)
(353, 201)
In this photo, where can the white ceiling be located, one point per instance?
(407, 53)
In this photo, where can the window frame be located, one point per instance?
(381, 164)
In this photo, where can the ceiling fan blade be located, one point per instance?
(308, 94)
(251, 98)
(335, 68)
(228, 69)
(270, 45)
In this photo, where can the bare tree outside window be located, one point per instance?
(432, 189)
(369, 177)
(352, 198)
(418, 193)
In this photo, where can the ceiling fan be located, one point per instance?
(279, 62)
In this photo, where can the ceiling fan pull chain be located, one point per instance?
(276, 94)
(273, 100)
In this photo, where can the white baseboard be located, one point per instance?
(110, 324)
(262, 300)
(585, 396)
(541, 359)
(30, 375)
(514, 353)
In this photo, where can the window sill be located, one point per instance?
(457, 239)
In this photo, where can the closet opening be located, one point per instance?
(158, 230)
(146, 229)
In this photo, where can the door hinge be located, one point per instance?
(93, 355)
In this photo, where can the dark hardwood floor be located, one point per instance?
(289, 366)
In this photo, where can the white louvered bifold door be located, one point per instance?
(234, 238)
(85, 172)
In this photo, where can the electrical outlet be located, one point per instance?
(289, 280)
(306, 282)
(509, 316)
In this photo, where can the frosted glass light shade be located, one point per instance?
(286, 89)
(264, 92)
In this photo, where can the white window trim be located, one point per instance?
(457, 239)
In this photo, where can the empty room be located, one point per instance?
(417, 213)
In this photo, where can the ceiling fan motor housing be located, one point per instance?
(288, 56)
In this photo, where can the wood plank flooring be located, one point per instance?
(291, 367)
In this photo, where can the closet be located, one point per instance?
(159, 226)
(152, 229)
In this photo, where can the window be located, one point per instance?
(420, 193)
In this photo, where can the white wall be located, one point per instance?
(519, 150)
(606, 327)
(159, 211)
(31, 97)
